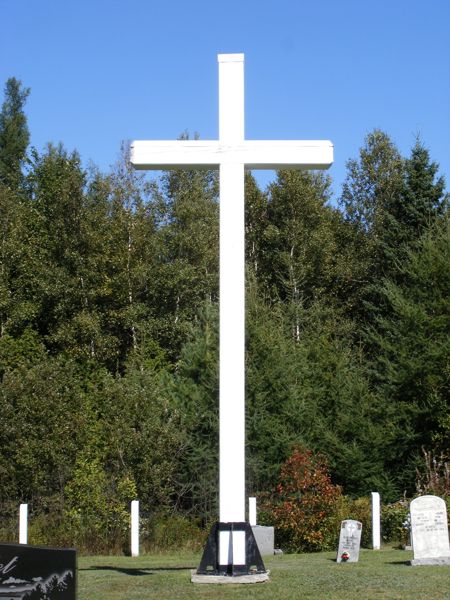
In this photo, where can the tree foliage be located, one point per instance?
(109, 326)
(14, 134)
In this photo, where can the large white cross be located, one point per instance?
(231, 154)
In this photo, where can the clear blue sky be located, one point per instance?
(102, 71)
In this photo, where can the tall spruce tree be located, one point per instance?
(15, 302)
(389, 202)
(410, 365)
(195, 392)
(14, 134)
(424, 193)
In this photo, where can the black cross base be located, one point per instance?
(209, 565)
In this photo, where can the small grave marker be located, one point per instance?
(135, 528)
(429, 531)
(376, 520)
(349, 541)
(23, 524)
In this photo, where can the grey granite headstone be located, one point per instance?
(265, 539)
(349, 541)
(429, 531)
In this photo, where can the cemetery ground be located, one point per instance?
(380, 574)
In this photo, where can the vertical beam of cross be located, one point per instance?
(232, 294)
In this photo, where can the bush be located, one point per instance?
(161, 533)
(97, 507)
(9, 523)
(433, 476)
(360, 509)
(394, 522)
(305, 506)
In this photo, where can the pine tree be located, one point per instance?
(424, 194)
(411, 351)
(421, 201)
(195, 392)
(14, 134)
(389, 202)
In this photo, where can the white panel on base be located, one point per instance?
(232, 553)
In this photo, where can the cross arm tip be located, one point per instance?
(222, 58)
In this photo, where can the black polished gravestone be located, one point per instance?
(37, 573)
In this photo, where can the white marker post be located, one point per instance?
(252, 511)
(23, 524)
(135, 528)
(376, 518)
(231, 154)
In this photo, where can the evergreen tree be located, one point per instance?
(389, 202)
(421, 201)
(14, 134)
(195, 394)
(424, 193)
(313, 391)
(411, 342)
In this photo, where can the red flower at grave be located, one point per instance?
(345, 556)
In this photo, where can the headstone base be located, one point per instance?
(265, 539)
(224, 579)
(438, 561)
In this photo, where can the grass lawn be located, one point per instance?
(379, 574)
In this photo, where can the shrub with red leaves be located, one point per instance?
(305, 507)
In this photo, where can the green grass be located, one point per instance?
(383, 574)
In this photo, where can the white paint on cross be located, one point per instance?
(231, 154)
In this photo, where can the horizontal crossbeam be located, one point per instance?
(254, 154)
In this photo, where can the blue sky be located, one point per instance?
(103, 71)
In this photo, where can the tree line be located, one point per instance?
(109, 326)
